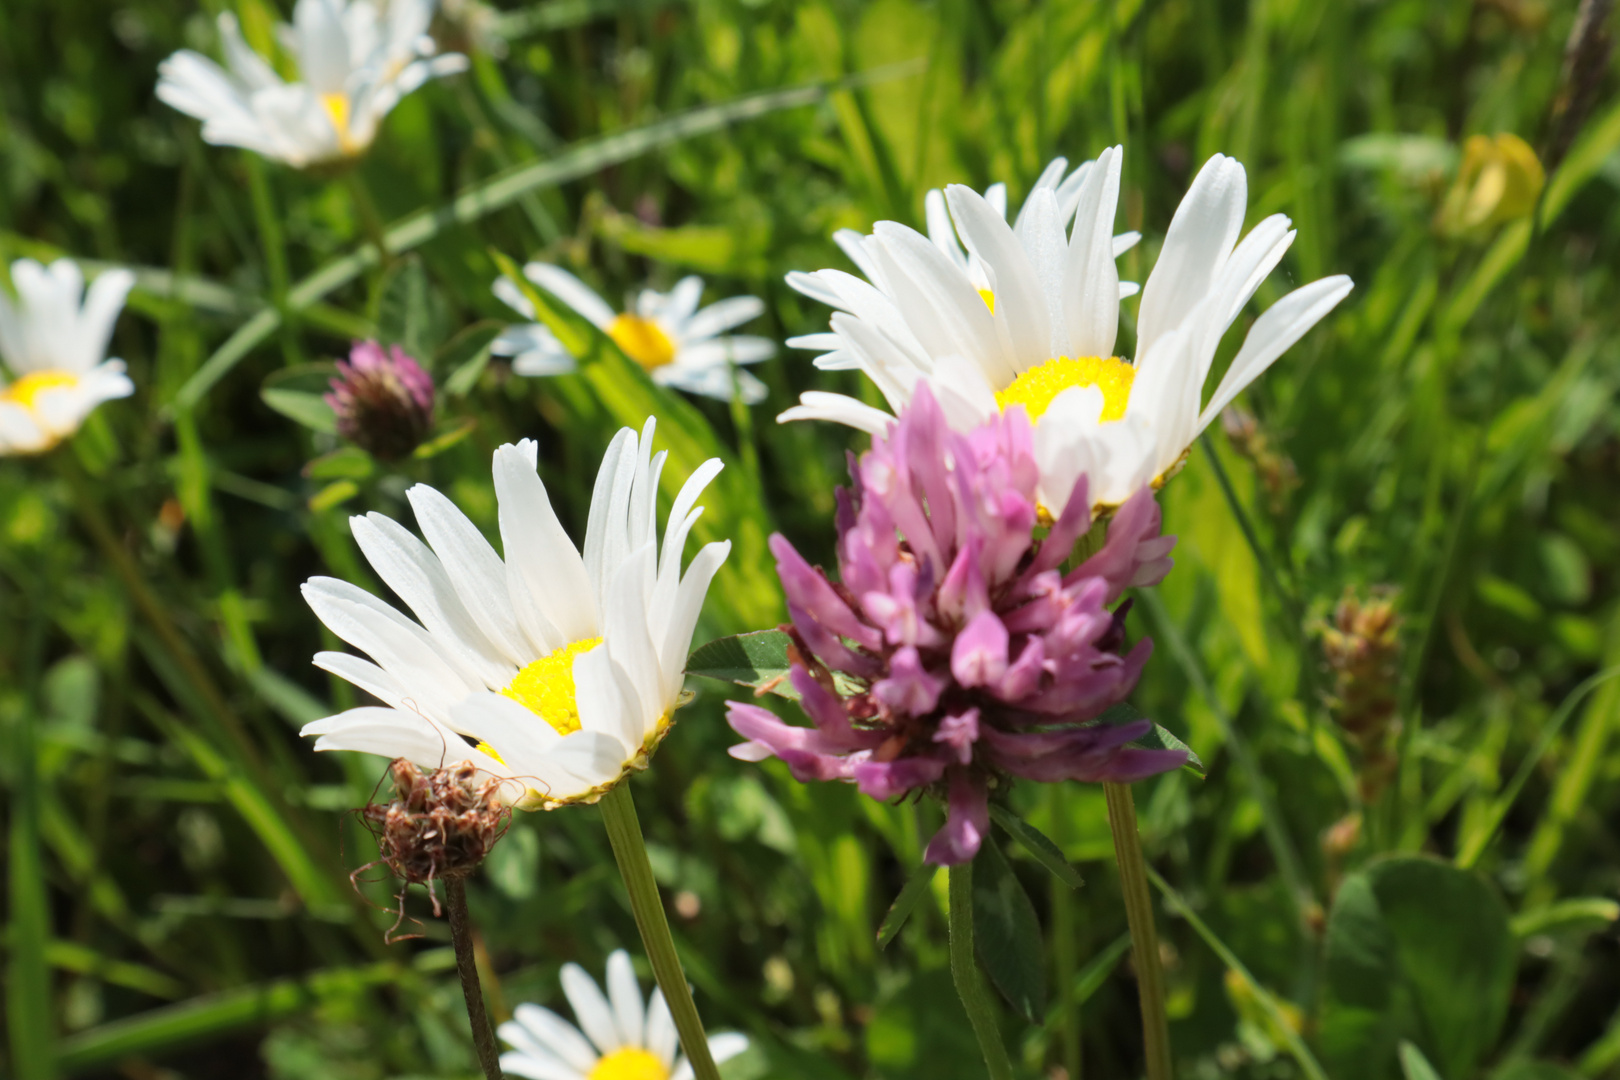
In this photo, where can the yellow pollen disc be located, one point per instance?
(491, 751)
(546, 687)
(642, 340)
(26, 390)
(337, 110)
(989, 299)
(1035, 388)
(629, 1063)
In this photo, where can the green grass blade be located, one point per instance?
(480, 200)
(30, 1025)
(1296, 1046)
(915, 888)
(214, 1016)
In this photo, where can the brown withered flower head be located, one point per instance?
(440, 824)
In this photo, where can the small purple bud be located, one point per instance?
(383, 400)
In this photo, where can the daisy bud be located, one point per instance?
(383, 400)
(962, 655)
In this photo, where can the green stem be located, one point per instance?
(371, 222)
(981, 1013)
(1065, 941)
(461, 934)
(1144, 940)
(624, 833)
(28, 974)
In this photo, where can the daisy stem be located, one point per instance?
(630, 849)
(455, 898)
(1144, 940)
(965, 972)
(371, 222)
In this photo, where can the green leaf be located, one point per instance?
(1535, 1070)
(345, 463)
(1414, 1064)
(915, 888)
(410, 313)
(333, 494)
(298, 394)
(447, 436)
(1007, 934)
(213, 1016)
(1420, 950)
(758, 659)
(1038, 845)
(1157, 738)
(1583, 914)
(466, 355)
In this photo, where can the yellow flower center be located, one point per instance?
(26, 390)
(989, 299)
(629, 1063)
(546, 687)
(337, 110)
(1035, 388)
(642, 340)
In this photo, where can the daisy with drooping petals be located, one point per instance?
(831, 287)
(356, 59)
(55, 350)
(621, 1039)
(678, 345)
(1044, 338)
(557, 670)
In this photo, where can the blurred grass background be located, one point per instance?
(177, 894)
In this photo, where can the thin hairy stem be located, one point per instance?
(455, 899)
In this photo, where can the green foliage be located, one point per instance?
(177, 889)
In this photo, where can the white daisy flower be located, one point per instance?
(556, 670)
(621, 1040)
(1044, 337)
(55, 351)
(356, 59)
(1055, 178)
(665, 333)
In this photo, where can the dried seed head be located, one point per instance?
(440, 824)
(1362, 649)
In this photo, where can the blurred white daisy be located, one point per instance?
(55, 352)
(1043, 337)
(556, 670)
(830, 287)
(620, 1041)
(665, 333)
(355, 58)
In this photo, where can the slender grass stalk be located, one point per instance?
(371, 222)
(1296, 1046)
(969, 987)
(1144, 939)
(1289, 865)
(156, 613)
(743, 421)
(461, 934)
(29, 1022)
(630, 849)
